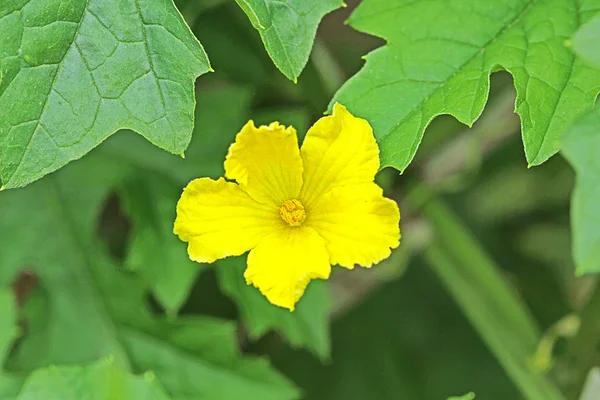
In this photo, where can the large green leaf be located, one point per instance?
(308, 326)
(288, 29)
(102, 380)
(74, 72)
(581, 146)
(97, 309)
(585, 41)
(439, 57)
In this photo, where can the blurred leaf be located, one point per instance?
(60, 253)
(211, 370)
(88, 308)
(73, 73)
(9, 386)
(288, 29)
(439, 57)
(468, 396)
(585, 41)
(490, 304)
(407, 340)
(531, 190)
(581, 146)
(307, 326)
(156, 182)
(8, 320)
(154, 251)
(592, 385)
(98, 381)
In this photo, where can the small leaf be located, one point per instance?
(439, 57)
(307, 326)
(581, 146)
(99, 381)
(75, 72)
(585, 42)
(288, 28)
(468, 396)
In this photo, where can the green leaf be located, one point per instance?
(8, 323)
(155, 184)
(220, 113)
(98, 381)
(308, 326)
(439, 57)
(9, 385)
(405, 341)
(288, 28)
(468, 396)
(154, 251)
(75, 72)
(585, 42)
(89, 308)
(491, 305)
(207, 370)
(581, 145)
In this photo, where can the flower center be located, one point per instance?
(292, 212)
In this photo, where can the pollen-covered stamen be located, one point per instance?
(292, 212)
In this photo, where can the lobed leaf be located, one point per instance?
(74, 72)
(439, 57)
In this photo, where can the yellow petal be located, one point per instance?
(284, 262)
(266, 162)
(218, 219)
(359, 225)
(338, 150)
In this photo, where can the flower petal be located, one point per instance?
(338, 150)
(266, 162)
(359, 225)
(284, 262)
(218, 219)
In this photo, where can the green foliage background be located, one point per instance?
(491, 291)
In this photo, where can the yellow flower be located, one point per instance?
(298, 211)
